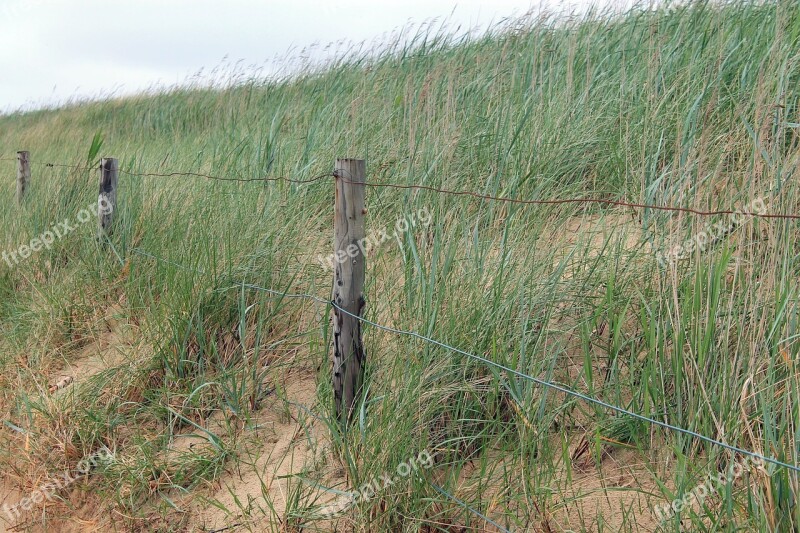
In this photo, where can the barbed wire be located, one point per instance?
(583, 200)
(541, 382)
(184, 174)
(452, 192)
(219, 178)
(61, 165)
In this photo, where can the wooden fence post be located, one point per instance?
(349, 247)
(107, 200)
(23, 174)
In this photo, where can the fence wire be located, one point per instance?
(441, 190)
(541, 382)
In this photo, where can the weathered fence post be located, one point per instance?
(23, 174)
(107, 200)
(349, 247)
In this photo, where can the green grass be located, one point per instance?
(693, 106)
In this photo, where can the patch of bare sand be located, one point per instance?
(589, 236)
(9, 496)
(109, 350)
(287, 443)
(616, 495)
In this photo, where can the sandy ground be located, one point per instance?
(285, 452)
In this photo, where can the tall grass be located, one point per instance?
(690, 105)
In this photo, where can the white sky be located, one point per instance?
(53, 50)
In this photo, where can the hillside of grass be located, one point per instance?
(210, 398)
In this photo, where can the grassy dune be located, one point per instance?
(214, 397)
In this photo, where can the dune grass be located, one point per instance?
(693, 106)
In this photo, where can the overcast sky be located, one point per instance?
(53, 50)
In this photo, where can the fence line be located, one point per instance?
(498, 366)
(217, 178)
(448, 347)
(186, 174)
(584, 200)
(452, 192)
(340, 310)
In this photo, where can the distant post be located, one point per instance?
(23, 174)
(107, 200)
(348, 285)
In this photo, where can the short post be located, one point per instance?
(349, 247)
(23, 174)
(107, 200)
